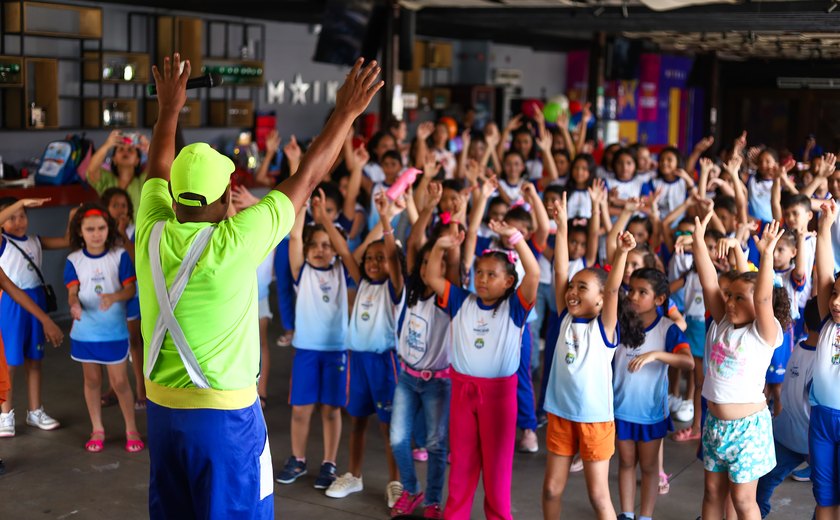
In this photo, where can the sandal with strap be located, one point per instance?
(133, 445)
(95, 445)
(664, 483)
(685, 435)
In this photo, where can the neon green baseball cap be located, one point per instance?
(199, 175)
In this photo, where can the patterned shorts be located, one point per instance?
(742, 447)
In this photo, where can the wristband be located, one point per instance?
(389, 232)
(515, 238)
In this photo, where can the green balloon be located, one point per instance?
(552, 111)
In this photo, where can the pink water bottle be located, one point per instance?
(403, 182)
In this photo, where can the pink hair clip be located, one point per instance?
(510, 254)
(521, 203)
(446, 218)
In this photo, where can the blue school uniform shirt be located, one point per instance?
(642, 397)
(486, 339)
(673, 194)
(372, 326)
(827, 367)
(321, 308)
(758, 195)
(580, 385)
(790, 427)
(105, 273)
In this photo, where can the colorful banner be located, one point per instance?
(648, 87)
(577, 75)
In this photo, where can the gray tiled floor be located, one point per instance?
(51, 476)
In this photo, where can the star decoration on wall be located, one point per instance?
(299, 89)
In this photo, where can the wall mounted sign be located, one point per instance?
(302, 92)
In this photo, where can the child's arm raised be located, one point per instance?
(51, 330)
(272, 145)
(800, 267)
(825, 258)
(338, 242)
(94, 170)
(561, 252)
(296, 257)
(765, 319)
(706, 270)
(435, 279)
(383, 203)
(476, 215)
(355, 159)
(417, 237)
(7, 212)
(543, 225)
(609, 314)
(728, 247)
(531, 279)
(597, 192)
(620, 225)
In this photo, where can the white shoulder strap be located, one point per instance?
(168, 299)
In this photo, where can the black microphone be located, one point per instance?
(208, 80)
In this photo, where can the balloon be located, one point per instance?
(555, 107)
(574, 121)
(575, 107)
(530, 107)
(451, 125)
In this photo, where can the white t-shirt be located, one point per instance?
(321, 308)
(827, 367)
(738, 363)
(790, 427)
(580, 383)
(15, 265)
(425, 338)
(578, 204)
(373, 322)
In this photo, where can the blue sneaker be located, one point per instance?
(326, 476)
(802, 475)
(291, 471)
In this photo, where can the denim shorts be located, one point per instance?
(741, 447)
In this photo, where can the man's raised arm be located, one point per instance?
(351, 100)
(171, 84)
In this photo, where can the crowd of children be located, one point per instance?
(426, 277)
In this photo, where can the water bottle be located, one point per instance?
(403, 182)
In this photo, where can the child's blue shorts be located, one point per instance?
(824, 447)
(101, 352)
(23, 334)
(132, 309)
(630, 431)
(319, 377)
(373, 379)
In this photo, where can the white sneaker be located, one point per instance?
(674, 403)
(392, 492)
(39, 419)
(345, 485)
(685, 413)
(7, 424)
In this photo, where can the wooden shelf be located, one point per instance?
(183, 35)
(40, 87)
(68, 195)
(8, 77)
(97, 67)
(52, 20)
(235, 112)
(190, 116)
(95, 113)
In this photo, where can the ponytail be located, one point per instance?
(630, 326)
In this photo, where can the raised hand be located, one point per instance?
(704, 144)
(701, 224)
(424, 130)
(587, 114)
(171, 85)
(740, 143)
(772, 233)
(725, 245)
(514, 123)
(544, 141)
(490, 186)
(827, 166)
(625, 242)
(828, 214)
(597, 191)
(558, 210)
(501, 228)
(359, 88)
(319, 212)
(115, 138)
(466, 139)
(529, 192)
(435, 191)
(292, 150)
(361, 156)
(143, 143)
(272, 142)
(491, 135)
(684, 243)
(242, 198)
(450, 240)
(706, 165)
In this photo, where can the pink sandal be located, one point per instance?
(95, 445)
(133, 445)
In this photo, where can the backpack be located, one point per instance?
(62, 160)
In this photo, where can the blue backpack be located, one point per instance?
(61, 159)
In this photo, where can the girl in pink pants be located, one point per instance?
(486, 338)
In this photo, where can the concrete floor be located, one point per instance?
(49, 475)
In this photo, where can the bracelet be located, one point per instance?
(389, 232)
(515, 238)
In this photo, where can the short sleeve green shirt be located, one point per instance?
(218, 309)
(134, 188)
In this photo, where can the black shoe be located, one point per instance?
(291, 471)
(326, 476)
(622, 516)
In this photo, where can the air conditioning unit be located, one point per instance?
(808, 83)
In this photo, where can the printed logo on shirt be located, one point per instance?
(481, 327)
(479, 343)
(366, 305)
(324, 285)
(835, 355)
(365, 316)
(417, 327)
(572, 345)
(728, 362)
(794, 371)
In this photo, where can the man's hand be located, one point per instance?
(171, 84)
(359, 88)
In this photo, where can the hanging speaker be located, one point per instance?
(375, 33)
(408, 26)
(345, 29)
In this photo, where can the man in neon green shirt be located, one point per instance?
(197, 273)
